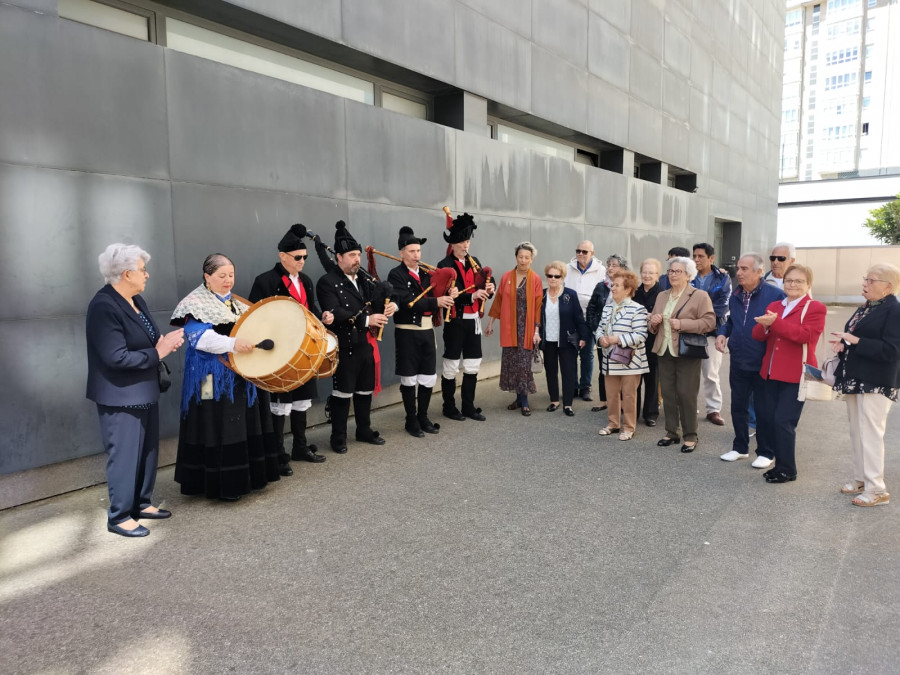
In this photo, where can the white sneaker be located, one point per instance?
(732, 456)
(762, 462)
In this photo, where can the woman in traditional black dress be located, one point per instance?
(227, 444)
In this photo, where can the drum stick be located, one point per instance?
(266, 344)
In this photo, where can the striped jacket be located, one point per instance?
(630, 324)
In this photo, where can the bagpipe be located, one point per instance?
(483, 275)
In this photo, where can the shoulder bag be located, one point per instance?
(691, 345)
(537, 361)
(812, 388)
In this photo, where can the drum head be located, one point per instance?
(332, 340)
(279, 319)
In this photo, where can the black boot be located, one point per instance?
(362, 407)
(340, 411)
(427, 425)
(299, 450)
(448, 391)
(284, 466)
(409, 405)
(467, 394)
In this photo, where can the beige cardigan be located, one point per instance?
(697, 316)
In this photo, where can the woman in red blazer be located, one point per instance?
(786, 326)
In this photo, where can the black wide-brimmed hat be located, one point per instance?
(407, 237)
(461, 229)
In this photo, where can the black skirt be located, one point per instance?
(226, 449)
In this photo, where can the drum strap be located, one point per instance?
(299, 296)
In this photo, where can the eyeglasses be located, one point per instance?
(582, 251)
(298, 258)
(794, 282)
(867, 280)
(554, 276)
(676, 272)
(779, 258)
(141, 270)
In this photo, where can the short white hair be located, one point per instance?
(792, 250)
(758, 262)
(689, 266)
(120, 258)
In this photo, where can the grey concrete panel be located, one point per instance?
(615, 12)
(647, 26)
(675, 140)
(513, 14)
(646, 77)
(557, 188)
(397, 159)
(610, 241)
(701, 66)
(558, 90)
(234, 127)
(41, 6)
(607, 117)
(404, 32)
(322, 17)
(492, 60)
(88, 99)
(698, 154)
(68, 217)
(677, 50)
(700, 111)
(718, 162)
(676, 96)
(722, 79)
(491, 177)
(605, 198)
(609, 52)
(644, 129)
(562, 27)
(720, 123)
(245, 225)
(554, 241)
(43, 412)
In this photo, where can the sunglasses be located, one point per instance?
(581, 251)
(298, 258)
(779, 258)
(554, 276)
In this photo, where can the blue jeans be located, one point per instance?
(586, 354)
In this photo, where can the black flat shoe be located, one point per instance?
(308, 455)
(159, 514)
(780, 477)
(475, 415)
(454, 415)
(340, 449)
(666, 442)
(553, 407)
(569, 412)
(650, 422)
(230, 499)
(374, 439)
(599, 408)
(429, 427)
(285, 470)
(689, 448)
(139, 531)
(526, 411)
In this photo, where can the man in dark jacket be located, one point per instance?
(748, 301)
(287, 279)
(717, 284)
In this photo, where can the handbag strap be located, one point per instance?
(685, 303)
(803, 316)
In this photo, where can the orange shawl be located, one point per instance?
(504, 308)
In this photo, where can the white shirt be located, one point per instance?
(551, 330)
(789, 306)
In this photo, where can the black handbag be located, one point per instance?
(691, 345)
(164, 375)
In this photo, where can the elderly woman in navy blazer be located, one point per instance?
(563, 333)
(124, 349)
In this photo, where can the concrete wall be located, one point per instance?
(839, 271)
(105, 138)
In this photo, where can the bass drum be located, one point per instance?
(330, 363)
(300, 344)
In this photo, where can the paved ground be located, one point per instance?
(512, 546)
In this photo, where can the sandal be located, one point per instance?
(607, 431)
(526, 411)
(598, 408)
(868, 499)
(625, 436)
(854, 487)
(553, 407)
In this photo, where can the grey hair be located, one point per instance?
(214, 261)
(792, 250)
(623, 263)
(120, 258)
(689, 266)
(758, 262)
(528, 246)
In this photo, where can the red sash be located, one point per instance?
(421, 288)
(298, 296)
(377, 355)
(468, 277)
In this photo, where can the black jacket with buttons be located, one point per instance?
(406, 288)
(337, 295)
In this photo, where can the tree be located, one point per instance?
(884, 222)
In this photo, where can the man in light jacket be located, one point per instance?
(583, 273)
